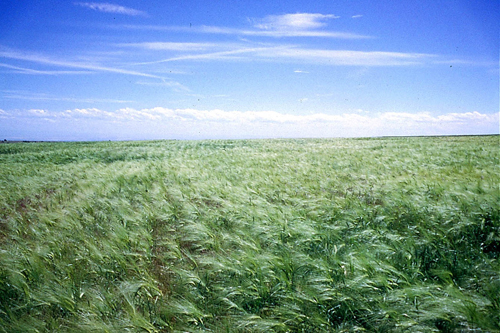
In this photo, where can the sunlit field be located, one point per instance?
(315, 235)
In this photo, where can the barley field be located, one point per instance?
(297, 235)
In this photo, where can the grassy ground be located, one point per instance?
(340, 235)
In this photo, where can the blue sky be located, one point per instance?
(247, 69)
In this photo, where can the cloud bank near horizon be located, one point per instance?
(165, 123)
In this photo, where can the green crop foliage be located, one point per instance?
(306, 235)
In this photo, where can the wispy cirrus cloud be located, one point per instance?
(251, 51)
(277, 33)
(294, 53)
(111, 8)
(22, 70)
(299, 21)
(33, 96)
(172, 46)
(286, 25)
(176, 86)
(47, 60)
(304, 33)
(247, 50)
(346, 57)
(234, 54)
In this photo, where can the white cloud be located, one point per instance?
(356, 16)
(111, 8)
(297, 54)
(346, 57)
(129, 113)
(306, 33)
(90, 112)
(159, 122)
(299, 21)
(301, 71)
(289, 32)
(38, 112)
(449, 118)
(36, 58)
(250, 51)
(176, 86)
(465, 117)
(23, 70)
(221, 55)
(282, 32)
(272, 116)
(171, 46)
(30, 96)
